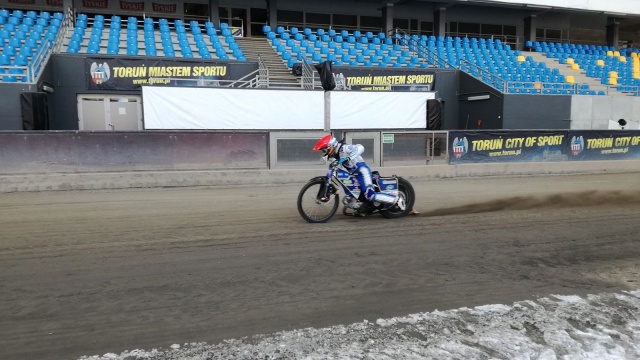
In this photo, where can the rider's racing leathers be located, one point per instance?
(351, 159)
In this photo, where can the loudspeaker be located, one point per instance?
(435, 112)
(326, 75)
(297, 69)
(35, 111)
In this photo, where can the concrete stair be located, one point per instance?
(579, 76)
(279, 74)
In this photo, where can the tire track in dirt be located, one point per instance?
(556, 201)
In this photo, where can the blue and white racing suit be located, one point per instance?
(353, 162)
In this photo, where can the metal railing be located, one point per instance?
(17, 72)
(404, 147)
(63, 33)
(414, 148)
(30, 73)
(308, 80)
(263, 74)
(511, 40)
(337, 28)
(485, 76)
(247, 83)
(628, 89)
(39, 60)
(424, 53)
(555, 88)
(254, 79)
(570, 41)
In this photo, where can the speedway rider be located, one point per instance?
(349, 156)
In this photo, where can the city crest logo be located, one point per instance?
(460, 147)
(577, 145)
(100, 73)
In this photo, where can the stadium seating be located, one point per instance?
(343, 48)
(146, 37)
(620, 69)
(25, 37)
(489, 60)
(496, 64)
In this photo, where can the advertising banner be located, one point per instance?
(132, 5)
(23, 2)
(36, 4)
(149, 7)
(95, 4)
(132, 74)
(604, 145)
(164, 8)
(383, 79)
(507, 146)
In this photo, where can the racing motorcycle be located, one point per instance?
(318, 200)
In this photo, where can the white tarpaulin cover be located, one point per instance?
(237, 109)
(379, 110)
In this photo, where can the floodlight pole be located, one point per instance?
(327, 111)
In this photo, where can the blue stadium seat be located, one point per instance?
(4, 59)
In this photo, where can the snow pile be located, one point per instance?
(558, 327)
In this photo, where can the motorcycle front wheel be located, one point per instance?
(310, 205)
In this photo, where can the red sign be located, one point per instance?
(23, 2)
(165, 8)
(100, 4)
(131, 6)
(55, 2)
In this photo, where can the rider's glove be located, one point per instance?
(342, 160)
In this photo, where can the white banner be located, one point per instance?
(232, 109)
(256, 109)
(379, 110)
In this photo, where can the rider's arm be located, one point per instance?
(348, 153)
(352, 151)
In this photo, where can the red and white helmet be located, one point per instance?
(328, 144)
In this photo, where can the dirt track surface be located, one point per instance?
(85, 273)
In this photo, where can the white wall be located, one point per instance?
(594, 112)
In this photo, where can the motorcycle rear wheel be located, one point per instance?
(406, 192)
(311, 208)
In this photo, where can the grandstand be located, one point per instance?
(27, 39)
(621, 69)
(508, 70)
(507, 58)
(146, 37)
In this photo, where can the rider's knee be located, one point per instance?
(369, 193)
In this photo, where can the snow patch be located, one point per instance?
(569, 299)
(497, 308)
(604, 326)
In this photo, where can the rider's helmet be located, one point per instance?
(327, 144)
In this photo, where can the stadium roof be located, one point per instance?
(616, 8)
